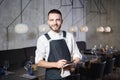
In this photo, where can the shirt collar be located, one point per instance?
(54, 33)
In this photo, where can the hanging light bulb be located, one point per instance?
(100, 29)
(107, 29)
(84, 29)
(73, 29)
(21, 28)
(43, 28)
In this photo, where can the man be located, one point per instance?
(56, 48)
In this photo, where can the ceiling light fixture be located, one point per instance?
(100, 29)
(21, 28)
(43, 28)
(73, 29)
(107, 29)
(84, 28)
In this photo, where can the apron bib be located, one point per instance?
(58, 50)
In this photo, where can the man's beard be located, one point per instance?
(55, 30)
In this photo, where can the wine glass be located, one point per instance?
(6, 66)
(32, 59)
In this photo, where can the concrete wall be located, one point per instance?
(34, 14)
(110, 10)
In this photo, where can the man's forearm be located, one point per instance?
(58, 64)
(45, 64)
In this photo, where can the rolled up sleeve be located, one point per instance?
(75, 51)
(40, 50)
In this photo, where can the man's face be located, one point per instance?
(55, 21)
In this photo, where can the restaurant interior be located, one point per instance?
(94, 24)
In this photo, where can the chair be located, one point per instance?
(81, 45)
(97, 70)
(117, 61)
(75, 75)
(109, 66)
(94, 72)
(84, 72)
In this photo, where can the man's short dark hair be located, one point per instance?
(55, 11)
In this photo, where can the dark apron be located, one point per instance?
(58, 50)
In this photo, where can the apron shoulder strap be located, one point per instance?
(64, 34)
(47, 36)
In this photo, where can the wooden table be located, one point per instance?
(18, 75)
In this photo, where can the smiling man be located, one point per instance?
(56, 48)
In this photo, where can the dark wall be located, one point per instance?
(16, 57)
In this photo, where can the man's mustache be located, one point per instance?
(55, 25)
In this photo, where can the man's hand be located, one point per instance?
(61, 63)
(76, 60)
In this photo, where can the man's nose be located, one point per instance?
(55, 22)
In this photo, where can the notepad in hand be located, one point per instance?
(69, 65)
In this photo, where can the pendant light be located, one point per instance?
(21, 28)
(73, 29)
(43, 28)
(84, 28)
(107, 28)
(100, 28)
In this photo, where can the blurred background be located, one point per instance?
(93, 21)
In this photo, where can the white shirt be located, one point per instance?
(43, 48)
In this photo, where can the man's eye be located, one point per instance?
(51, 19)
(58, 19)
